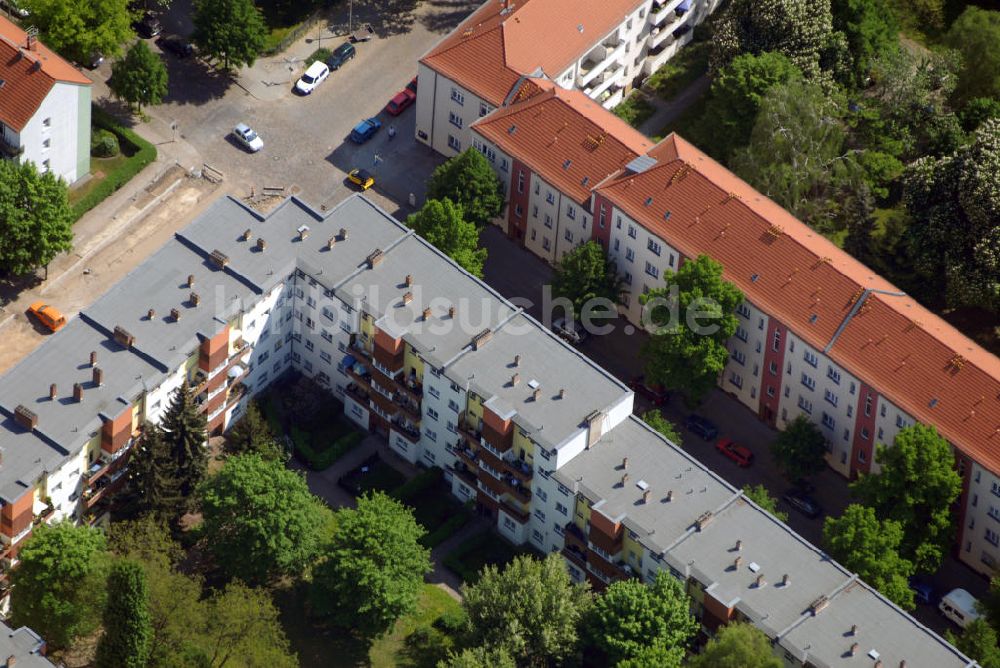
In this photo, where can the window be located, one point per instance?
(739, 357)
(776, 342)
(631, 231)
(562, 509)
(47, 143)
(484, 109)
(504, 166)
(629, 254)
(868, 405)
(457, 96)
(829, 422)
(604, 213)
(325, 356)
(541, 494)
(454, 143)
(830, 397)
(453, 405)
(568, 235)
(833, 374)
(744, 310)
(571, 212)
(508, 523)
(773, 368)
(736, 379)
(518, 211)
(536, 536)
(882, 410)
(741, 334)
(852, 388)
(327, 336)
(431, 413)
(308, 365)
(865, 435)
(546, 244)
(810, 358)
(617, 244)
(46, 166)
(548, 221)
(652, 270)
(550, 198)
(533, 235)
(618, 222)
(47, 123)
(653, 246)
(628, 278)
(805, 405)
(539, 515)
(770, 390)
(850, 410)
(309, 344)
(434, 392)
(900, 422)
(432, 435)
(808, 381)
(454, 119)
(992, 537)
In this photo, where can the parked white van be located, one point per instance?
(959, 606)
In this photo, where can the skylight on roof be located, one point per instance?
(512, 129)
(585, 181)
(567, 164)
(813, 318)
(649, 200)
(754, 277)
(933, 403)
(643, 485)
(666, 215)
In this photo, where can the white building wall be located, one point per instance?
(542, 215)
(551, 508)
(445, 112)
(636, 251)
(56, 121)
(980, 546)
(447, 399)
(572, 226)
(745, 368)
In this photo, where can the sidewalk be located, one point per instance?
(668, 112)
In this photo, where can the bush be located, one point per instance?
(141, 153)
(634, 110)
(319, 460)
(419, 483)
(318, 54)
(452, 621)
(444, 532)
(104, 144)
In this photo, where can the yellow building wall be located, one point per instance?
(631, 549)
(413, 363)
(581, 516)
(474, 410)
(367, 332)
(524, 444)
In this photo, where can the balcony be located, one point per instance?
(574, 538)
(521, 516)
(412, 410)
(93, 474)
(666, 9)
(9, 150)
(605, 81)
(360, 374)
(357, 393)
(406, 430)
(473, 436)
(599, 58)
(516, 490)
(468, 456)
(575, 556)
(466, 475)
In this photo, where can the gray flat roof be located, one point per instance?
(24, 645)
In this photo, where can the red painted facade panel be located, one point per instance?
(770, 390)
(863, 448)
(517, 212)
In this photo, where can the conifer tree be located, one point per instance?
(128, 629)
(153, 480)
(184, 430)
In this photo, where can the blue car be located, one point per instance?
(365, 130)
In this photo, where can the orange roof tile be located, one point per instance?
(488, 51)
(28, 75)
(565, 137)
(918, 361)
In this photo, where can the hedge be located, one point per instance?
(143, 154)
(324, 459)
(419, 483)
(445, 531)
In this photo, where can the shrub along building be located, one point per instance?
(540, 438)
(820, 334)
(44, 106)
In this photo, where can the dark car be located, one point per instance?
(803, 503)
(341, 55)
(654, 394)
(365, 130)
(178, 46)
(700, 426)
(148, 26)
(736, 452)
(923, 591)
(94, 60)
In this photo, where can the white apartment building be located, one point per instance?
(44, 107)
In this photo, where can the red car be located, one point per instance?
(402, 99)
(654, 394)
(738, 453)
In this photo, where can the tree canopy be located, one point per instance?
(762, 497)
(978, 641)
(870, 28)
(630, 616)
(975, 34)
(77, 28)
(478, 657)
(586, 274)
(468, 180)
(870, 548)
(916, 487)
(531, 609)
(252, 433)
(692, 316)
(739, 645)
(800, 449)
(36, 222)
(654, 418)
(374, 568)
(60, 582)
(442, 223)
(128, 629)
(232, 31)
(260, 519)
(140, 78)
(184, 432)
(154, 488)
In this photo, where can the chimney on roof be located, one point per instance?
(190, 282)
(624, 463)
(739, 545)
(303, 232)
(30, 41)
(670, 495)
(854, 629)
(562, 392)
(407, 297)
(331, 242)
(93, 358)
(408, 280)
(537, 394)
(451, 312)
(98, 376)
(878, 664)
(624, 479)
(150, 314)
(195, 299)
(343, 234)
(261, 244)
(175, 313)
(902, 663)
(759, 581)
(515, 379)
(517, 360)
(53, 391)
(646, 494)
(785, 580)
(247, 234)
(737, 562)
(854, 648)
(11, 660)
(427, 314)
(25, 417)
(77, 392)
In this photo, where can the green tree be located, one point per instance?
(870, 548)
(184, 432)
(441, 223)
(799, 29)
(36, 222)
(692, 316)
(60, 582)
(630, 616)
(916, 487)
(244, 626)
(153, 485)
(975, 34)
(232, 31)
(870, 28)
(798, 156)
(128, 626)
(79, 28)
(759, 495)
(955, 206)
(737, 92)
(468, 180)
(654, 418)
(978, 641)
(989, 605)
(978, 110)
(739, 645)
(374, 568)
(140, 78)
(586, 274)
(478, 657)
(800, 449)
(252, 434)
(531, 609)
(260, 519)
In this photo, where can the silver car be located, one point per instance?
(245, 135)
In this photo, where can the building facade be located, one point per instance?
(44, 107)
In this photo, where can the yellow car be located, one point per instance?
(361, 178)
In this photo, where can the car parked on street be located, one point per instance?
(803, 503)
(365, 130)
(700, 426)
(361, 178)
(312, 77)
(654, 394)
(246, 136)
(570, 329)
(923, 591)
(400, 102)
(176, 45)
(341, 55)
(736, 452)
(148, 26)
(94, 60)
(49, 316)
(13, 7)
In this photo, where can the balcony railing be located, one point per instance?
(8, 150)
(406, 430)
(598, 60)
(521, 516)
(354, 391)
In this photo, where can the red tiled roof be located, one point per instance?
(565, 137)
(913, 357)
(28, 75)
(488, 51)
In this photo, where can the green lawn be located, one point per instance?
(373, 474)
(483, 549)
(438, 512)
(99, 169)
(690, 62)
(635, 109)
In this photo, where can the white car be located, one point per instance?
(245, 135)
(313, 77)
